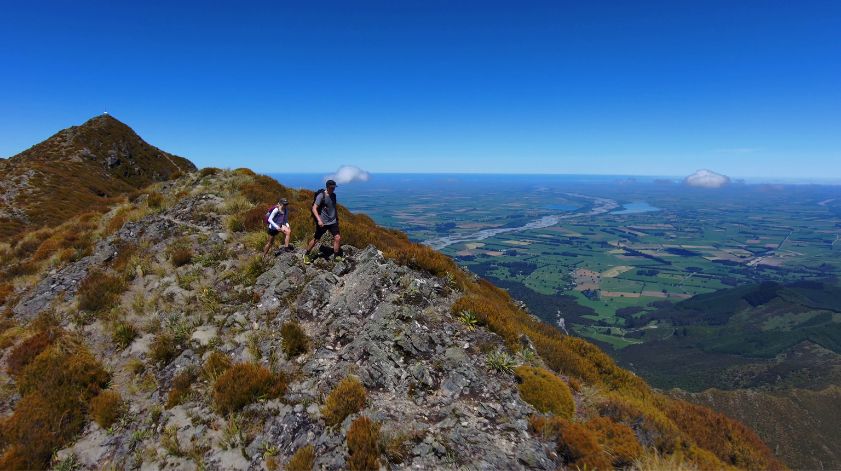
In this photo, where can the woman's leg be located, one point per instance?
(268, 245)
(288, 231)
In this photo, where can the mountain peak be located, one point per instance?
(92, 163)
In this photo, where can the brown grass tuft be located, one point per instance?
(99, 291)
(181, 385)
(164, 348)
(362, 439)
(302, 460)
(180, 255)
(295, 341)
(107, 407)
(348, 397)
(245, 383)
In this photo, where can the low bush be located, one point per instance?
(580, 448)
(577, 445)
(27, 350)
(302, 460)
(245, 383)
(545, 391)
(99, 291)
(64, 366)
(234, 223)
(55, 387)
(181, 385)
(106, 408)
(348, 397)
(217, 363)
(618, 440)
(295, 341)
(362, 444)
(209, 171)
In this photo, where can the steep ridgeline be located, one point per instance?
(171, 345)
(81, 168)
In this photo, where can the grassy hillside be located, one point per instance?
(79, 169)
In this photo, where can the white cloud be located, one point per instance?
(706, 179)
(347, 174)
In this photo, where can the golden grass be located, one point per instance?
(545, 391)
(245, 383)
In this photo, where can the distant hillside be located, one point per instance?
(749, 336)
(798, 424)
(81, 168)
(772, 350)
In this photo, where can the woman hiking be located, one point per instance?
(278, 221)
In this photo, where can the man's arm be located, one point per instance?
(315, 209)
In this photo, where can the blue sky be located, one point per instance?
(649, 88)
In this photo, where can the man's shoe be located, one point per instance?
(289, 248)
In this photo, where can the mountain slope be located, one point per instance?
(81, 168)
(799, 424)
(216, 357)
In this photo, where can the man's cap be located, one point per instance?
(331, 183)
(284, 201)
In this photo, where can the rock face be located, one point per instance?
(428, 384)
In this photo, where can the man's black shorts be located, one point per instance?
(320, 230)
(272, 231)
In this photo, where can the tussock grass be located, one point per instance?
(362, 444)
(348, 397)
(107, 407)
(245, 383)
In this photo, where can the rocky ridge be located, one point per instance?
(390, 326)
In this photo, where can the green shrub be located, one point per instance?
(106, 408)
(124, 334)
(545, 391)
(362, 439)
(99, 291)
(155, 200)
(245, 383)
(295, 341)
(302, 460)
(164, 348)
(348, 397)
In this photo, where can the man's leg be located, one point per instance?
(337, 243)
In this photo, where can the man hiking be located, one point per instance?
(278, 221)
(326, 219)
